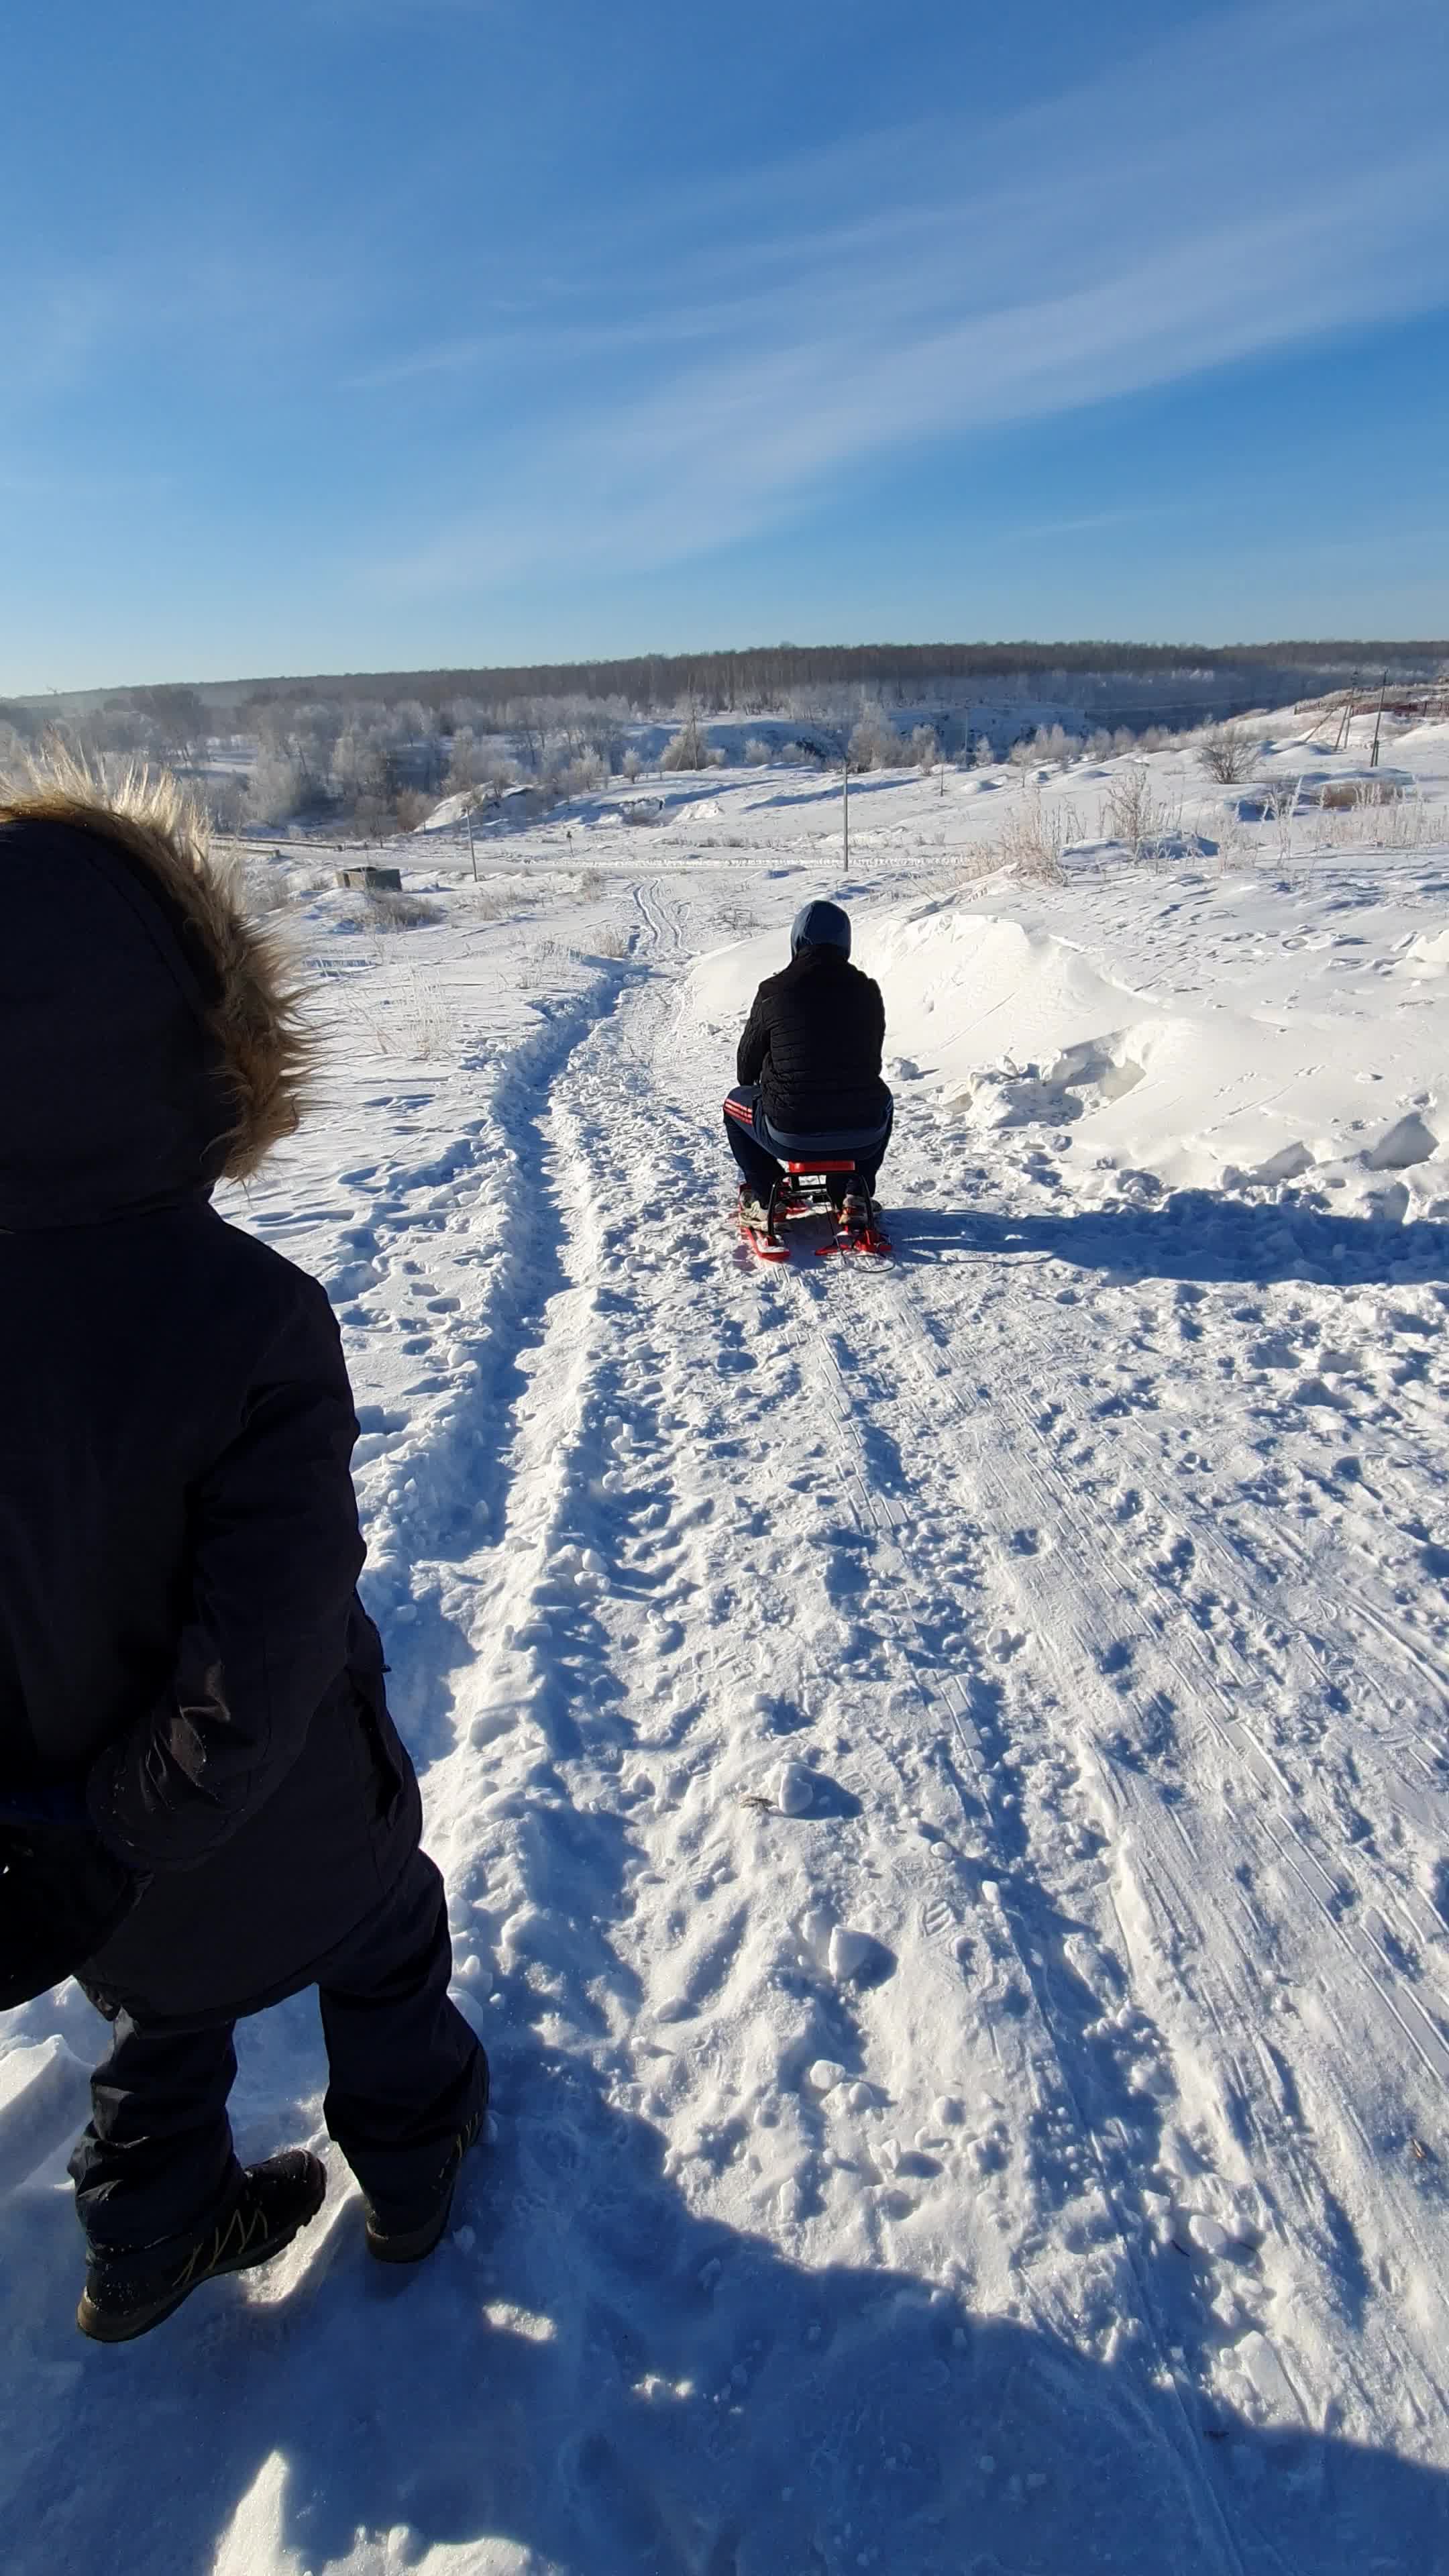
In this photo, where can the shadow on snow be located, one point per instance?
(1192, 1235)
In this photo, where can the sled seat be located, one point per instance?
(836, 1152)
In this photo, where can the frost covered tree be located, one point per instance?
(875, 743)
(687, 749)
(465, 763)
(274, 789)
(925, 750)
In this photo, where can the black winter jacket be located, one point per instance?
(813, 1043)
(181, 1643)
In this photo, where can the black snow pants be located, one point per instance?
(155, 2168)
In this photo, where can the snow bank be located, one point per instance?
(1211, 1031)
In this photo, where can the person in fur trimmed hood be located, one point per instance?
(204, 1803)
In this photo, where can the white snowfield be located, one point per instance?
(942, 1767)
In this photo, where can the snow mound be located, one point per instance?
(1250, 1052)
(1410, 1140)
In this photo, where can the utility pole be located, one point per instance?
(1378, 720)
(472, 853)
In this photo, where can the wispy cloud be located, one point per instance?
(400, 12)
(1274, 175)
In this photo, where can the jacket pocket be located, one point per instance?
(365, 1671)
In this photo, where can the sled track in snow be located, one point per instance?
(1064, 1510)
(943, 1696)
(1083, 1543)
(593, 1344)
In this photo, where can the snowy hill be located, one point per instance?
(942, 1770)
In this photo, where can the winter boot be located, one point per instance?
(126, 2296)
(855, 1211)
(753, 1212)
(406, 2235)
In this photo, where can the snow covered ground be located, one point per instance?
(942, 1768)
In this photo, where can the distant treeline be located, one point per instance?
(773, 675)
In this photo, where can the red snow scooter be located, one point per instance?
(803, 1189)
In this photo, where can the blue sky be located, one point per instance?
(353, 334)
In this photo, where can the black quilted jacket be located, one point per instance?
(813, 1044)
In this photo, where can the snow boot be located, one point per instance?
(126, 2296)
(406, 2235)
(753, 1212)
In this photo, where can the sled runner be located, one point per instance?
(803, 1190)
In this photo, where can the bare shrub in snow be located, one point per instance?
(1098, 745)
(1229, 755)
(925, 750)
(801, 755)
(757, 753)
(983, 755)
(632, 765)
(1024, 755)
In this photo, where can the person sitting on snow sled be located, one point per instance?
(204, 1804)
(808, 1070)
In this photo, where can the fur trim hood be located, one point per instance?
(147, 1019)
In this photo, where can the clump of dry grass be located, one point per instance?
(1133, 815)
(411, 1019)
(382, 910)
(1035, 838)
(1346, 795)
